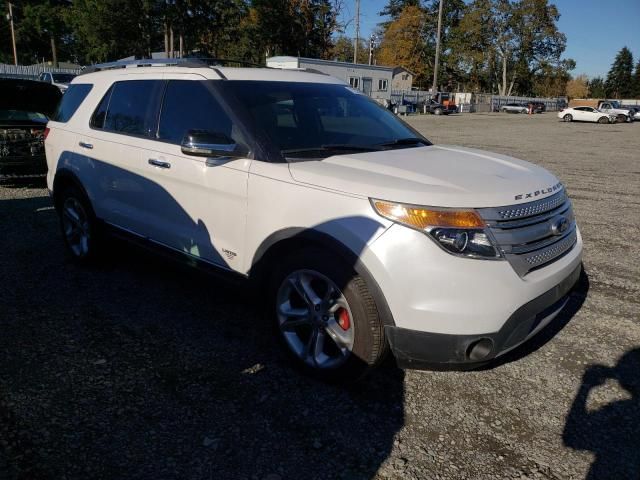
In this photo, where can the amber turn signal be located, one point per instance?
(421, 218)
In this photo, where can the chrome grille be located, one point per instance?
(527, 234)
(533, 208)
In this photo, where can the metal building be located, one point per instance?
(373, 80)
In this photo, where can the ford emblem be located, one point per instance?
(559, 225)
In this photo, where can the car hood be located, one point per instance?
(445, 176)
(29, 96)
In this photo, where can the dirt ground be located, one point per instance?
(143, 369)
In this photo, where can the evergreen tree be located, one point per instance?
(619, 79)
(636, 80)
(394, 8)
(596, 88)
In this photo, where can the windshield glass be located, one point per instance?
(63, 77)
(315, 120)
(20, 116)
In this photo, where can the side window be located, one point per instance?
(97, 119)
(133, 107)
(354, 82)
(71, 100)
(382, 85)
(189, 105)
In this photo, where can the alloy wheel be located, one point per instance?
(76, 227)
(315, 319)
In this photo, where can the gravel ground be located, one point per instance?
(140, 368)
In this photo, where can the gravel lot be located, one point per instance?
(144, 369)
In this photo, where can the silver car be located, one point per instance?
(514, 108)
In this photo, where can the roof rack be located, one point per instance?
(187, 62)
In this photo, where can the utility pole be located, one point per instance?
(434, 88)
(13, 34)
(371, 40)
(355, 48)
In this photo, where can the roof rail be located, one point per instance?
(187, 62)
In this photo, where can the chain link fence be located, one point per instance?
(31, 72)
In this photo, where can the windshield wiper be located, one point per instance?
(404, 141)
(335, 147)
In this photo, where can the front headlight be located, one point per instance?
(459, 232)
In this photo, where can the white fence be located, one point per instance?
(31, 72)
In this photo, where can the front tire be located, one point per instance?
(438, 111)
(622, 118)
(568, 118)
(603, 120)
(80, 230)
(326, 317)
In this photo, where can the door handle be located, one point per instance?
(85, 145)
(159, 163)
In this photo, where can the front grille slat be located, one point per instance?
(524, 233)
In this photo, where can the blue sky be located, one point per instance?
(596, 29)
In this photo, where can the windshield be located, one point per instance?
(63, 77)
(315, 120)
(21, 116)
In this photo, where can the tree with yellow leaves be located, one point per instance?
(404, 43)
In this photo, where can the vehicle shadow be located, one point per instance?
(611, 430)
(142, 368)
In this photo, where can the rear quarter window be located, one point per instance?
(71, 100)
(133, 107)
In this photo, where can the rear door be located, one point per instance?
(126, 115)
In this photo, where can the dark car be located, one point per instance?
(25, 108)
(539, 107)
(438, 108)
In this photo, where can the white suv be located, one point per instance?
(362, 234)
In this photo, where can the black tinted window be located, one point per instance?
(133, 107)
(71, 100)
(97, 119)
(315, 116)
(188, 105)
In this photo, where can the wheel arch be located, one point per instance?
(289, 240)
(64, 178)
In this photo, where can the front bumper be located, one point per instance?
(418, 349)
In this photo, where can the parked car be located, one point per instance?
(25, 106)
(514, 108)
(60, 80)
(361, 235)
(634, 112)
(439, 109)
(539, 107)
(611, 107)
(586, 114)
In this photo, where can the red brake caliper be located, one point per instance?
(343, 319)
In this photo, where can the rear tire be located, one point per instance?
(603, 120)
(79, 226)
(568, 118)
(326, 317)
(438, 111)
(622, 118)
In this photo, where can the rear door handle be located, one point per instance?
(159, 163)
(85, 145)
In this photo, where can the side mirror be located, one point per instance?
(202, 143)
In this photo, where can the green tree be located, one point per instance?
(343, 50)
(619, 79)
(295, 27)
(636, 80)
(597, 88)
(394, 8)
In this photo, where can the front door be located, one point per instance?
(366, 85)
(199, 207)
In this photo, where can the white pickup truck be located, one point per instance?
(613, 107)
